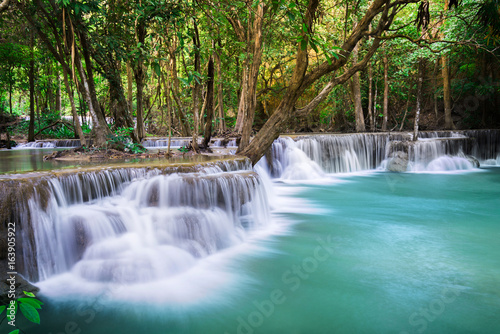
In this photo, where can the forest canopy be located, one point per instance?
(251, 69)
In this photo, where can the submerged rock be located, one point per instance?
(398, 162)
(474, 162)
(20, 285)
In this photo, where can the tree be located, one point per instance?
(384, 11)
(12, 57)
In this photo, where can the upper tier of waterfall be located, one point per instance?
(310, 156)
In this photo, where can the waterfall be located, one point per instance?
(310, 157)
(155, 227)
(99, 223)
(163, 142)
(61, 214)
(63, 143)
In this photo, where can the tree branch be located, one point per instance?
(338, 80)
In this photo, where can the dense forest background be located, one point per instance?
(199, 68)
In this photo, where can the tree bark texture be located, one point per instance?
(356, 94)
(386, 93)
(448, 122)
(209, 103)
(220, 102)
(418, 107)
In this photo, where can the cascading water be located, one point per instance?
(64, 143)
(140, 224)
(309, 157)
(163, 142)
(156, 227)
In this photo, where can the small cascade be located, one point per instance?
(435, 153)
(62, 143)
(486, 144)
(36, 144)
(163, 142)
(223, 142)
(309, 157)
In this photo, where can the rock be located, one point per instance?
(398, 162)
(20, 285)
(473, 161)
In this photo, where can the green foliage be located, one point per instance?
(183, 149)
(29, 308)
(121, 137)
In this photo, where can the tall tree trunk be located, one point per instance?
(117, 96)
(130, 78)
(10, 96)
(240, 116)
(31, 130)
(49, 93)
(139, 74)
(76, 120)
(196, 87)
(139, 97)
(356, 94)
(436, 83)
(250, 96)
(419, 97)
(90, 80)
(209, 102)
(169, 108)
(184, 127)
(220, 101)
(386, 93)
(448, 122)
(58, 95)
(370, 96)
(99, 126)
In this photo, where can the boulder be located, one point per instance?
(398, 162)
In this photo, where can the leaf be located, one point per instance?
(30, 313)
(16, 331)
(314, 46)
(31, 301)
(29, 294)
(184, 81)
(303, 44)
(304, 27)
(2, 308)
(157, 69)
(328, 58)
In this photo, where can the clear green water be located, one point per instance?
(375, 253)
(30, 160)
